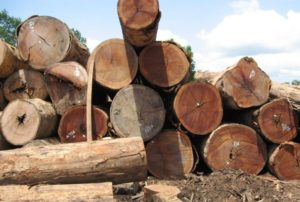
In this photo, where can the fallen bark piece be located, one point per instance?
(70, 192)
(119, 161)
(161, 193)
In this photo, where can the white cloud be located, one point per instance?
(245, 5)
(165, 34)
(92, 43)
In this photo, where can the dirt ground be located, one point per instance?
(220, 186)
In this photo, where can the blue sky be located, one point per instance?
(220, 32)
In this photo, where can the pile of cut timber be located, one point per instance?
(144, 115)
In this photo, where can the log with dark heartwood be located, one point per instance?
(45, 40)
(118, 161)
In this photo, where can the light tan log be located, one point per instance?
(3, 143)
(28, 119)
(118, 161)
(45, 40)
(25, 84)
(139, 21)
(161, 193)
(48, 193)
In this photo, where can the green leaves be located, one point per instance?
(8, 27)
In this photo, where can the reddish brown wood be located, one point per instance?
(72, 126)
(170, 155)
(45, 40)
(235, 146)
(139, 20)
(198, 106)
(284, 161)
(67, 85)
(163, 64)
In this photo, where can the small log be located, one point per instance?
(235, 146)
(198, 107)
(115, 62)
(45, 40)
(137, 111)
(67, 85)
(284, 161)
(9, 60)
(139, 21)
(161, 193)
(25, 84)
(47, 193)
(170, 155)
(26, 120)
(163, 64)
(72, 126)
(119, 161)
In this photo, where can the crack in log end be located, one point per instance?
(23, 88)
(21, 119)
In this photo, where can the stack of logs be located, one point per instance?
(144, 103)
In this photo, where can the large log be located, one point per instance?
(170, 155)
(25, 84)
(198, 106)
(235, 146)
(139, 21)
(28, 119)
(72, 126)
(47, 193)
(163, 64)
(119, 161)
(45, 40)
(284, 161)
(137, 111)
(67, 85)
(115, 62)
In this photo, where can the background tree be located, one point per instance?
(79, 36)
(296, 82)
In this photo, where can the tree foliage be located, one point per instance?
(79, 36)
(296, 82)
(8, 25)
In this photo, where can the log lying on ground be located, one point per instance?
(235, 146)
(72, 126)
(71, 192)
(137, 111)
(9, 60)
(45, 40)
(25, 120)
(67, 85)
(118, 161)
(115, 62)
(284, 161)
(163, 64)
(198, 106)
(25, 84)
(161, 193)
(170, 155)
(139, 21)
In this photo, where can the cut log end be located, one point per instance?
(198, 106)
(235, 146)
(163, 64)
(170, 155)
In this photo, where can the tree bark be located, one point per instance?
(115, 62)
(118, 161)
(67, 85)
(25, 84)
(139, 21)
(235, 146)
(198, 107)
(45, 40)
(170, 155)
(137, 111)
(284, 161)
(71, 192)
(72, 126)
(26, 120)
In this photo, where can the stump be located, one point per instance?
(137, 111)
(235, 146)
(163, 64)
(115, 62)
(72, 126)
(25, 84)
(170, 155)
(139, 21)
(25, 120)
(67, 85)
(45, 40)
(198, 106)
